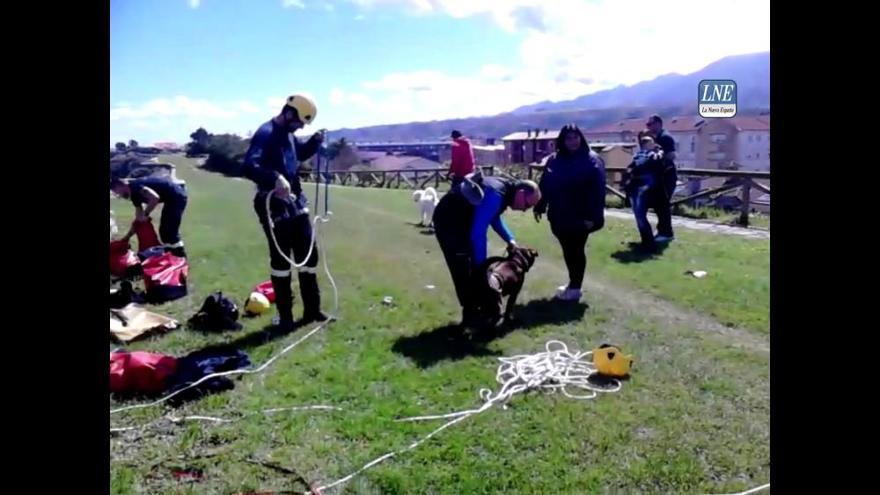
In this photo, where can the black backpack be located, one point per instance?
(218, 313)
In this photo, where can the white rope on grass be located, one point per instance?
(556, 369)
(753, 490)
(212, 419)
(273, 358)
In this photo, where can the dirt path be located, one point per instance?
(633, 302)
(689, 223)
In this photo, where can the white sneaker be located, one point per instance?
(570, 295)
(663, 238)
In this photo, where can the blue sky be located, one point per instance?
(227, 65)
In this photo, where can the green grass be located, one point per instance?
(718, 215)
(693, 418)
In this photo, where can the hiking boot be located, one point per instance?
(316, 316)
(283, 325)
(469, 318)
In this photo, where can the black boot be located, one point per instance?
(283, 302)
(311, 297)
(178, 251)
(469, 317)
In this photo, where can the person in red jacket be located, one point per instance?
(462, 158)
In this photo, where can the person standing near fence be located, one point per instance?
(643, 186)
(462, 158)
(272, 162)
(668, 179)
(573, 197)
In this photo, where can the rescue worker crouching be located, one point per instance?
(272, 162)
(146, 194)
(462, 220)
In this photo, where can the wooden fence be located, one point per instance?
(741, 180)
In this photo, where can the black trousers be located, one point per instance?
(663, 198)
(169, 222)
(293, 232)
(452, 226)
(574, 244)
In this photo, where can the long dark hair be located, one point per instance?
(562, 150)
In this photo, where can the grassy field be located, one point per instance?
(694, 417)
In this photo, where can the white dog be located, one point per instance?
(427, 200)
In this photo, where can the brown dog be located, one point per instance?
(504, 277)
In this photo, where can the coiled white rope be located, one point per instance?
(276, 356)
(556, 369)
(291, 259)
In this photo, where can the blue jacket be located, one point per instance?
(573, 190)
(497, 196)
(272, 152)
(168, 191)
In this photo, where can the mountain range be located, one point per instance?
(670, 94)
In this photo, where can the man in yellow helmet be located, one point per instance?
(272, 162)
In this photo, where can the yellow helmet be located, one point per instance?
(256, 304)
(611, 361)
(304, 107)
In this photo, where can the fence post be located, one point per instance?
(417, 178)
(529, 173)
(436, 180)
(745, 199)
(491, 169)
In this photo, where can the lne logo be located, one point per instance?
(717, 98)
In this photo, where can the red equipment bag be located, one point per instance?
(267, 290)
(140, 372)
(123, 261)
(146, 234)
(165, 277)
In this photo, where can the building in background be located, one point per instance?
(430, 150)
(168, 147)
(683, 130)
(385, 162)
(490, 154)
(530, 146)
(740, 142)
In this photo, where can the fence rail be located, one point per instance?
(419, 178)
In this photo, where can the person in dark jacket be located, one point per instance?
(146, 194)
(272, 162)
(461, 221)
(573, 197)
(668, 177)
(645, 188)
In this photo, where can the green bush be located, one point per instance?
(225, 152)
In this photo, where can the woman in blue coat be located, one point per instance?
(573, 197)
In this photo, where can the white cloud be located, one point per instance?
(568, 48)
(194, 3)
(360, 17)
(179, 106)
(337, 97)
(173, 119)
(293, 3)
